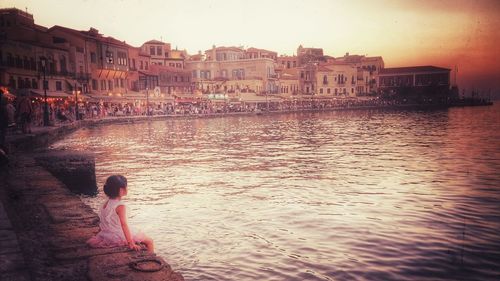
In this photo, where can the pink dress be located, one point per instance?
(111, 234)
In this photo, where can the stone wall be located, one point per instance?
(52, 225)
(75, 169)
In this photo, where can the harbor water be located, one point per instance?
(344, 195)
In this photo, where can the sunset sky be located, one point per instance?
(447, 33)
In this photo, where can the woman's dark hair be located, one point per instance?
(113, 185)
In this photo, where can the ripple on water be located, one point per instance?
(361, 195)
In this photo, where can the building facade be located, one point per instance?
(29, 56)
(228, 69)
(337, 79)
(417, 83)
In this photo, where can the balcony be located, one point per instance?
(80, 76)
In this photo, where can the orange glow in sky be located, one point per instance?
(445, 33)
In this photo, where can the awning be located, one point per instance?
(50, 94)
(186, 101)
(253, 98)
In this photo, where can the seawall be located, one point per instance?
(44, 226)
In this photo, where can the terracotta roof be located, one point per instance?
(412, 69)
(324, 68)
(43, 45)
(92, 33)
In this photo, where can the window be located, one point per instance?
(158, 51)
(26, 63)
(103, 85)
(325, 80)
(19, 62)
(12, 82)
(110, 85)
(122, 58)
(152, 50)
(141, 66)
(62, 63)
(147, 64)
(93, 58)
(109, 57)
(32, 64)
(239, 73)
(58, 86)
(27, 83)
(117, 83)
(320, 90)
(34, 84)
(94, 84)
(10, 60)
(328, 90)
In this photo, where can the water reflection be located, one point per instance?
(366, 195)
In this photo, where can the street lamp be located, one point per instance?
(147, 101)
(77, 115)
(43, 61)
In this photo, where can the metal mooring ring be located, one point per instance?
(136, 265)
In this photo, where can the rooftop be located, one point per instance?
(413, 69)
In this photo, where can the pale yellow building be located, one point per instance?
(337, 79)
(227, 69)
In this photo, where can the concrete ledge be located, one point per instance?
(47, 227)
(74, 168)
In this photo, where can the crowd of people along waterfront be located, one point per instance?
(24, 112)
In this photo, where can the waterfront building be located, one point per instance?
(161, 53)
(176, 58)
(27, 52)
(336, 79)
(158, 51)
(140, 79)
(172, 80)
(80, 64)
(287, 62)
(416, 82)
(309, 55)
(254, 53)
(289, 82)
(372, 65)
(227, 69)
(307, 79)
